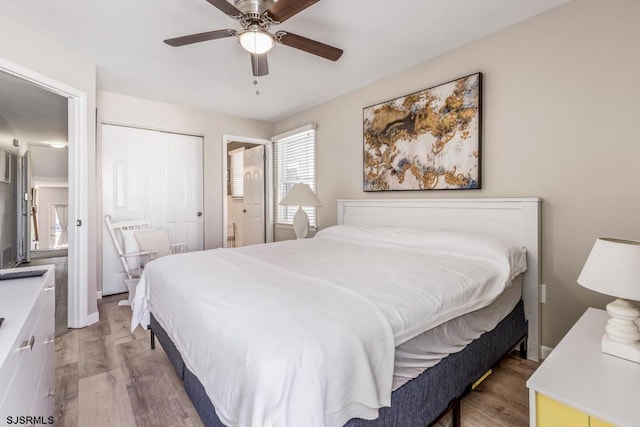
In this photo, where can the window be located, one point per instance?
(294, 160)
(58, 225)
(236, 162)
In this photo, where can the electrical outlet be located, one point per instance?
(543, 294)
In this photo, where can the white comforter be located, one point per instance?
(303, 332)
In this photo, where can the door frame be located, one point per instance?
(77, 273)
(268, 182)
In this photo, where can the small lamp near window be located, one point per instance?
(613, 268)
(301, 195)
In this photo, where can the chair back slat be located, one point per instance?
(115, 231)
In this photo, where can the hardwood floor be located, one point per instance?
(107, 376)
(501, 400)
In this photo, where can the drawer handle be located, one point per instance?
(28, 345)
(50, 288)
(50, 341)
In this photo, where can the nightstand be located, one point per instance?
(578, 385)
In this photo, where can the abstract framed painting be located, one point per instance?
(428, 140)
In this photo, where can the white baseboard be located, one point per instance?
(545, 351)
(99, 294)
(93, 318)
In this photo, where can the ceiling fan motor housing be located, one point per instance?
(253, 13)
(257, 7)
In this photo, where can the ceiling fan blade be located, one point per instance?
(285, 9)
(308, 45)
(259, 64)
(200, 37)
(226, 7)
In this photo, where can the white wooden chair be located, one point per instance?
(137, 243)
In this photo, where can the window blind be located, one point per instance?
(294, 160)
(236, 159)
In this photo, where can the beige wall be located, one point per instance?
(560, 107)
(126, 110)
(29, 50)
(49, 164)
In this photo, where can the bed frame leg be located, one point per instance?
(153, 339)
(455, 414)
(523, 348)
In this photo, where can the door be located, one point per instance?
(152, 173)
(253, 199)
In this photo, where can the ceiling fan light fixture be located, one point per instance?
(256, 41)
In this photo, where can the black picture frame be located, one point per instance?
(427, 140)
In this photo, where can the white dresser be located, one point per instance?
(27, 349)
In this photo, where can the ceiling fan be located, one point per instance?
(255, 17)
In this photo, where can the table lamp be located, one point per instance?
(302, 195)
(613, 268)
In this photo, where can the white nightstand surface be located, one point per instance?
(578, 374)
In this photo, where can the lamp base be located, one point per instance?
(301, 223)
(622, 336)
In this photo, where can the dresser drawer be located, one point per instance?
(43, 399)
(24, 366)
(9, 368)
(550, 412)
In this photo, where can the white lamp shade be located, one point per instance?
(256, 41)
(613, 268)
(300, 195)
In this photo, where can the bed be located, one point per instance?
(349, 330)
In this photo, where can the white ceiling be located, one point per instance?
(124, 39)
(33, 114)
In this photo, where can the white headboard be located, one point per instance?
(516, 220)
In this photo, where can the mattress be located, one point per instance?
(428, 349)
(417, 355)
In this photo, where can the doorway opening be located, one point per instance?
(50, 201)
(35, 123)
(77, 143)
(247, 191)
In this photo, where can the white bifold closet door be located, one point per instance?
(158, 174)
